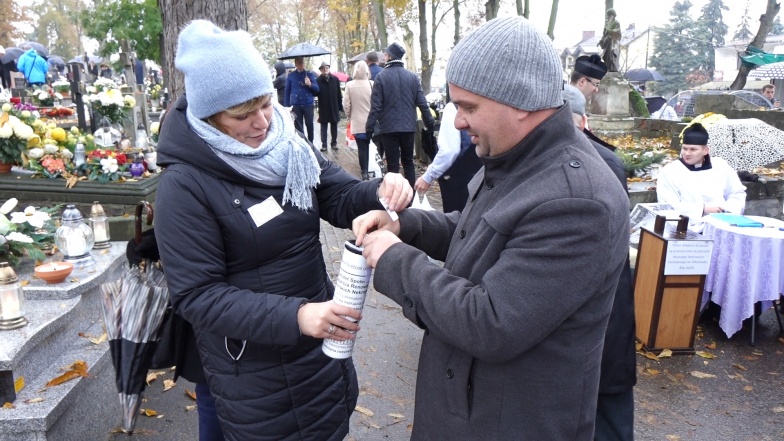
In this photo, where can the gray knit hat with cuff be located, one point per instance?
(509, 61)
(575, 99)
(222, 68)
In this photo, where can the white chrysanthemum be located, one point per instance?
(61, 83)
(31, 216)
(35, 153)
(51, 148)
(6, 107)
(19, 237)
(66, 153)
(6, 131)
(43, 95)
(8, 206)
(129, 101)
(109, 165)
(154, 127)
(26, 114)
(91, 90)
(58, 95)
(23, 131)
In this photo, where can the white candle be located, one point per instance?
(99, 230)
(9, 304)
(76, 245)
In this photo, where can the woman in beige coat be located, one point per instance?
(356, 104)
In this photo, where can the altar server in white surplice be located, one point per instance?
(698, 184)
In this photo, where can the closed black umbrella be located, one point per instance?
(134, 308)
(643, 75)
(303, 50)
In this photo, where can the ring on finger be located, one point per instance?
(331, 329)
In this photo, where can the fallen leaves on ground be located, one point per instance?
(704, 354)
(699, 374)
(364, 411)
(34, 400)
(149, 413)
(396, 415)
(191, 395)
(8, 405)
(190, 408)
(76, 370)
(168, 384)
(94, 340)
(711, 345)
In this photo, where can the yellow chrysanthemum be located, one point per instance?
(58, 134)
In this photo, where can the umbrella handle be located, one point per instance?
(138, 219)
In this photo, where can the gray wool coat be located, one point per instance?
(514, 322)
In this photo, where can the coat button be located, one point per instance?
(236, 201)
(462, 234)
(489, 185)
(408, 302)
(450, 374)
(574, 164)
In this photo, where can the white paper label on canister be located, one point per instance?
(350, 290)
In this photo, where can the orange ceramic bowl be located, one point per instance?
(54, 272)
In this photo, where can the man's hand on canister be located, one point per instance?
(396, 191)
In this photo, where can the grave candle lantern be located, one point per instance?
(100, 225)
(74, 238)
(11, 299)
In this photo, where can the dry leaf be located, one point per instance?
(190, 408)
(651, 355)
(711, 345)
(748, 388)
(364, 411)
(70, 182)
(8, 405)
(148, 412)
(665, 353)
(778, 409)
(781, 339)
(699, 374)
(24, 282)
(168, 384)
(652, 371)
(704, 354)
(96, 341)
(190, 394)
(396, 415)
(76, 370)
(673, 438)
(34, 400)
(152, 376)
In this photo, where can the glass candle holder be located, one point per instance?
(11, 299)
(74, 238)
(99, 222)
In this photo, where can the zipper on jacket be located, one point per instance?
(235, 361)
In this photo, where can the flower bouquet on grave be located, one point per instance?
(103, 166)
(16, 133)
(50, 160)
(28, 232)
(45, 97)
(62, 86)
(103, 84)
(112, 104)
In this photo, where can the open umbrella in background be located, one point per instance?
(134, 308)
(303, 50)
(654, 103)
(768, 71)
(55, 61)
(342, 77)
(41, 49)
(11, 55)
(643, 75)
(746, 143)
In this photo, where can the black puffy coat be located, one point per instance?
(279, 83)
(396, 95)
(236, 283)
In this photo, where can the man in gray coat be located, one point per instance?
(515, 319)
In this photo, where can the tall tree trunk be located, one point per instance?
(519, 5)
(424, 55)
(553, 14)
(608, 4)
(228, 14)
(381, 26)
(456, 6)
(491, 9)
(408, 43)
(766, 23)
(527, 9)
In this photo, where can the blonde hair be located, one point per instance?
(361, 71)
(239, 110)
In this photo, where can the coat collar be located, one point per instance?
(706, 164)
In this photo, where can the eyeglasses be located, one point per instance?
(596, 84)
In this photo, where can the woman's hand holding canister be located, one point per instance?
(323, 320)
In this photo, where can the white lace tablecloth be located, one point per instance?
(747, 266)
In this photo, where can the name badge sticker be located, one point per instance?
(264, 211)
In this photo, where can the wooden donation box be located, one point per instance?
(668, 285)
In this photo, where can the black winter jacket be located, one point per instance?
(396, 95)
(241, 287)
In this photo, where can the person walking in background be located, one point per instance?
(615, 406)
(248, 273)
(515, 319)
(138, 72)
(396, 95)
(330, 104)
(356, 103)
(372, 62)
(33, 66)
(301, 87)
(106, 71)
(280, 80)
(454, 165)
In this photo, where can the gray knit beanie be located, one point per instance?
(507, 60)
(222, 68)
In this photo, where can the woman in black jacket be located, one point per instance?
(238, 217)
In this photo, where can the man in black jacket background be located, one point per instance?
(330, 104)
(396, 95)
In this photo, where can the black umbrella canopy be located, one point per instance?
(41, 49)
(643, 75)
(654, 103)
(303, 50)
(363, 56)
(55, 60)
(11, 54)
